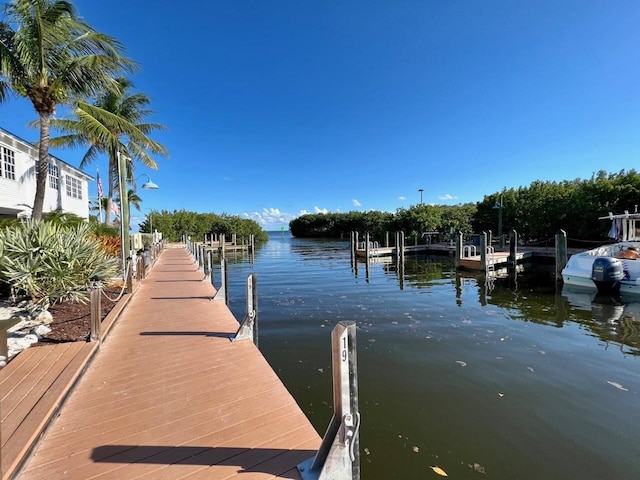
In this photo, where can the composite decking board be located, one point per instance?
(29, 418)
(120, 429)
(168, 382)
(172, 452)
(168, 399)
(165, 450)
(254, 457)
(207, 376)
(25, 369)
(30, 368)
(16, 409)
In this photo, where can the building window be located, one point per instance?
(74, 187)
(7, 163)
(54, 176)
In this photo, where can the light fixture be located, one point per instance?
(149, 185)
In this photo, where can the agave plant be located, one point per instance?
(52, 262)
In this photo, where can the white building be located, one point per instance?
(67, 187)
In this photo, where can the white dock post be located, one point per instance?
(248, 329)
(338, 457)
(221, 293)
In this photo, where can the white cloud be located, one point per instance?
(402, 198)
(270, 217)
(356, 203)
(447, 197)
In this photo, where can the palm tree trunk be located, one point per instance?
(43, 167)
(107, 219)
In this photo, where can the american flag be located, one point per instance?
(100, 190)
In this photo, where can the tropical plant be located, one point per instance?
(114, 125)
(63, 218)
(48, 54)
(52, 262)
(134, 198)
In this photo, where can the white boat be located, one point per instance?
(611, 268)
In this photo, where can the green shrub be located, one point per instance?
(103, 230)
(52, 262)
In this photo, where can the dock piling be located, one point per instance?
(95, 297)
(459, 243)
(513, 247)
(561, 253)
(221, 293)
(339, 454)
(248, 329)
(483, 251)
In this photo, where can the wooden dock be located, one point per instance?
(439, 248)
(169, 396)
(495, 260)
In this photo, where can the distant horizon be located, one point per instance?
(275, 110)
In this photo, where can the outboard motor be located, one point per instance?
(606, 273)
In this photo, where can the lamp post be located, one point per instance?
(421, 190)
(124, 213)
(124, 208)
(498, 206)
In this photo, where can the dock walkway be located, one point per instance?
(169, 396)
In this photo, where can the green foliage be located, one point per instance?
(338, 225)
(413, 221)
(52, 261)
(538, 211)
(102, 229)
(59, 217)
(174, 225)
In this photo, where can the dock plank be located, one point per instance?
(46, 375)
(170, 396)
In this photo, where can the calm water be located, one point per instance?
(510, 380)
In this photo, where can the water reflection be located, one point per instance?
(611, 319)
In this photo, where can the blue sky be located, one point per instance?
(282, 107)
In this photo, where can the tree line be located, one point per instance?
(174, 225)
(536, 212)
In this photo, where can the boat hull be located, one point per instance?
(579, 269)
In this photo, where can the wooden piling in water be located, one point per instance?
(561, 253)
(513, 247)
(483, 251)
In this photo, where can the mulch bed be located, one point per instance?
(72, 320)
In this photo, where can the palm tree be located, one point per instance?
(51, 56)
(113, 124)
(134, 198)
